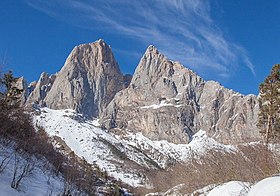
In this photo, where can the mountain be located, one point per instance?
(166, 101)
(165, 120)
(38, 90)
(86, 83)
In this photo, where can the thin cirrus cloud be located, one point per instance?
(181, 29)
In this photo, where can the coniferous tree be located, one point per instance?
(269, 115)
(7, 81)
(9, 91)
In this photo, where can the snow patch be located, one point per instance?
(161, 104)
(230, 188)
(267, 187)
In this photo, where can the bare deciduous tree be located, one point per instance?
(22, 169)
(6, 158)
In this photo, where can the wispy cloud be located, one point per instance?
(133, 54)
(181, 29)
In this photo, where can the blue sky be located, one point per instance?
(234, 42)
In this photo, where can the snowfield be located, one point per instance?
(87, 140)
(266, 187)
(111, 150)
(230, 189)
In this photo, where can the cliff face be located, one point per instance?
(228, 116)
(39, 90)
(167, 101)
(86, 83)
(164, 100)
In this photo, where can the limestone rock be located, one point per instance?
(38, 90)
(163, 100)
(227, 115)
(167, 101)
(86, 83)
(31, 87)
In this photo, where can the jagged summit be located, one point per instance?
(167, 101)
(163, 101)
(101, 41)
(86, 83)
(152, 48)
(38, 90)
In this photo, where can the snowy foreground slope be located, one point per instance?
(39, 181)
(125, 154)
(269, 186)
(266, 187)
(121, 154)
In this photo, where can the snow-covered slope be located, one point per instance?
(121, 154)
(39, 181)
(266, 187)
(85, 139)
(230, 188)
(124, 155)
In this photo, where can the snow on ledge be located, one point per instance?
(162, 104)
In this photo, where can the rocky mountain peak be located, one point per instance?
(101, 41)
(156, 77)
(92, 56)
(87, 82)
(150, 64)
(167, 101)
(152, 49)
(38, 90)
(163, 101)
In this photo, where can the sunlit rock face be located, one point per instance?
(38, 90)
(86, 83)
(163, 100)
(166, 101)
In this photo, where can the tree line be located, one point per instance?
(269, 103)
